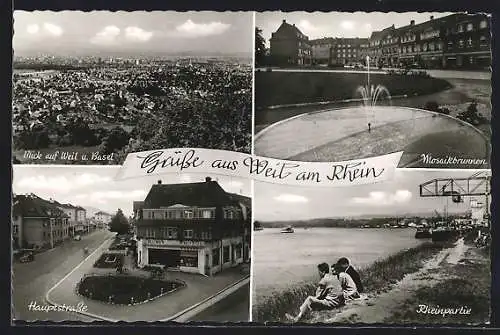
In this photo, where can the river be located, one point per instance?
(281, 260)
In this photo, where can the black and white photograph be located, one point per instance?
(85, 247)
(339, 86)
(412, 250)
(91, 87)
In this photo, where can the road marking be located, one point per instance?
(47, 298)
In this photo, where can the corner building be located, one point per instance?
(193, 227)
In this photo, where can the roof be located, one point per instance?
(138, 205)
(247, 201)
(204, 194)
(287, 28)
(322, 40)
(102, 213)
(33, 206)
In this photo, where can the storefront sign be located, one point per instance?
(170, 243)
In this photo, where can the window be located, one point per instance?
(431, 46)
(188, 233)
(483, 24)
(450, 44)
(225, 254)
(207, 214)
(206, 235)
(470, 27)
(171, 232)
(469, 43)
(483, 42)
(215, 257)
(149, 233)
(52, 221)
(461, 43)
(460, 28)
(425, 47)
(188, 214)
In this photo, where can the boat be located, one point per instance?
(423, 233)
(259, 228)
(442, 234)
(287, 230)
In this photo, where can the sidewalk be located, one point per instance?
(198, 289)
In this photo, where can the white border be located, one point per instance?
(252, 183)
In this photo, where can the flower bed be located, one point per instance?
(125, 290)
(109, 261)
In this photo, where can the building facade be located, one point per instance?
(346, 51)
(192, 227)
(289, 46)
(36, 223)
(456, 41)
(103, 218)
(320, 49)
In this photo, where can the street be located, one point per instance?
(31, 281)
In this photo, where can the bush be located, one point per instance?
(102, 264)
(432, 106)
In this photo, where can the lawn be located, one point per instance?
(279, 88)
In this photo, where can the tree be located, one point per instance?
(260, 47)
(116, 140)
(119, 223)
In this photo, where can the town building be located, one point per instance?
(456, 41)
(346, 51)
(37, 223)
(320, 49)
(289, 46)
(193, 227)
(103, 218)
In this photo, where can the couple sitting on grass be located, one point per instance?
(327, 297)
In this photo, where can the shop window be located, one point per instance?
(238, 251)
(189, 259)
(225, 254)
(215, 256)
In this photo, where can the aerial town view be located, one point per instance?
(145, 249)
(340, 86)
(92, 97)
(413, 250)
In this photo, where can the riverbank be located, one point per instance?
(378, 277)
(451, 286)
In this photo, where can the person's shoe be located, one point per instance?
(290, 318)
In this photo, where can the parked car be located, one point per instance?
(77, 238)
(27, 256)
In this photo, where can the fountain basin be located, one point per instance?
(342, 134)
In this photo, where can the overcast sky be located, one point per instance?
(91, 186)
(273, 202)
(170, 32)
(337, 24)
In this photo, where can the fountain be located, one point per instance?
(339, 134)
(370, 94)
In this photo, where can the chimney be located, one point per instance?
(294, 24)
(159, 182)
(208, 179)
(432, 17)
(284, 21)
(412, 22)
